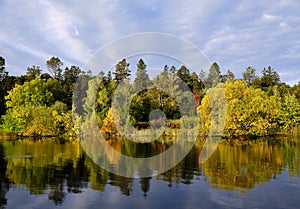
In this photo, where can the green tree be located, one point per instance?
(33, 72)
(195, 83)
(11, 123)
(165, 99)
(104, 98)
(57, 89)
(249, 75)
(229, 76)
(173, 70)
(109, 76)
(256, 83)
(3, 87)
(122, 71)
(296, 91)
(122, 97)
(142, 80)
(46, 76)
(22, 102)
(213, 77)
(269, 77)
(289, 112)
(54, 66)
(202, 75)
(70, 77)
(40, 122)
(80, 93)
(141, 105)
(184, 73)
(33, 93)
(89, 98)
(31, 112)
(7, 84)
(284, 89)
(2, 68)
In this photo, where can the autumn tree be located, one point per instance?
(33, 111)
(109, 124)
(289, 112)
(250, 112)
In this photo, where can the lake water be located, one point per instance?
(49, 174)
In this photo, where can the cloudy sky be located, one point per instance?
(235, 34)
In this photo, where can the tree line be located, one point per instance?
(40, 103)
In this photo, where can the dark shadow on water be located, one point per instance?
(4, 182)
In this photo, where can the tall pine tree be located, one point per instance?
(142, 80)
(122, 71)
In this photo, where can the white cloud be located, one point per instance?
(269, 17)
(43, 30)
(235, 34)
(284, 26)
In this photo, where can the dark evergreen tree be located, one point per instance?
(269, 77)
(195, 83)
(122, 71)
(109, 77)
(70, 77)
(3, 74)
(2, 68)
(173, 70)
(184, 73)
(214, 76)
(142, 80)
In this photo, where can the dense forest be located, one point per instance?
(41, 103)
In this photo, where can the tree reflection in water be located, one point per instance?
(4, 183)
(58, 169)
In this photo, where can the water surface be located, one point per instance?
(50, 174)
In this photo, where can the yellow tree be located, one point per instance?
(109, 124)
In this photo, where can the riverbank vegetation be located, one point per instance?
(40, 103)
